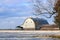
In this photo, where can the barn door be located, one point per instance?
(37, 28)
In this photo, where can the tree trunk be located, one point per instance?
(59, 26)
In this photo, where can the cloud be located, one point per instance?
(14, 12)
(1, 10)
(10, 8)
(11, 22)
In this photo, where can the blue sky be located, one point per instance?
(14, 12)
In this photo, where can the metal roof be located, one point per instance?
(40, 21)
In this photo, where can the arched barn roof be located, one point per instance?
(40, 21)
(36, 24)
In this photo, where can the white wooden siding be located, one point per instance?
(29, 23)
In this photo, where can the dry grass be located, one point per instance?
(55, 36)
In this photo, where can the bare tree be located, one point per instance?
(39, 8)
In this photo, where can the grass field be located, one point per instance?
(30, 34)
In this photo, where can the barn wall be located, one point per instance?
(29, 24)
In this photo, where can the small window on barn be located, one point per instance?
(26, 22)
(31, 21)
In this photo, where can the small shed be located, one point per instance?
(34, 23)
(50, 27)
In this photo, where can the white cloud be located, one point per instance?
(13, 6)
(11, 22)
(10, 1)
(1, 10)
(13, 1)
(13, 10)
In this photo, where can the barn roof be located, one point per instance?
(40, 21)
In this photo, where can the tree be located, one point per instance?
(57, 18)
(39, 7)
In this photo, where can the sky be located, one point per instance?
(14, 12)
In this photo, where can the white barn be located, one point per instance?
(34, 23)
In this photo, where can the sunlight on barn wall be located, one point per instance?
(28, 24)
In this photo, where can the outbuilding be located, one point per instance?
(34, 23)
